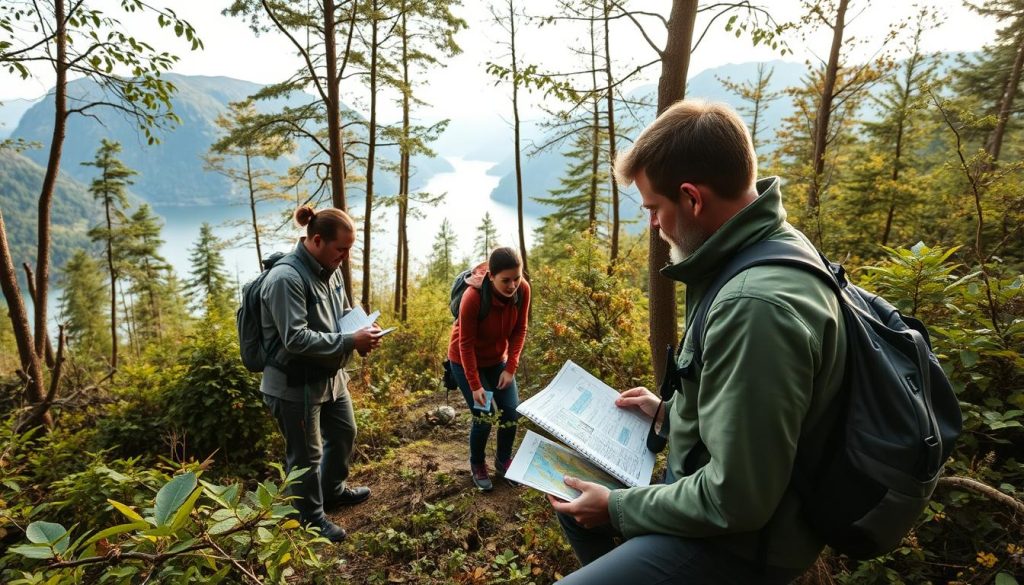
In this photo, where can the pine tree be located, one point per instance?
(147, 271)
(442, 265)
(209, 286)
(110, 190)
(486, 236)
(82, 291)
(756, 97)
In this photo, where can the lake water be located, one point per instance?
(467, 188)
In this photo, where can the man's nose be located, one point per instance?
(654, 220)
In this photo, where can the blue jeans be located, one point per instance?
(505, 400)
(321, 440)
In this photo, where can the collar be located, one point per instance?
(314, 267)
(755, 222)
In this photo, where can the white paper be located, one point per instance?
(357, 319)
(543, 464)
(580, 410)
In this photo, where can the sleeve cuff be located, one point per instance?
(616, 510)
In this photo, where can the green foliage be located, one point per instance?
(978, 334)
(590, 314)
(83, 293)
(216, 405)
(192, 531)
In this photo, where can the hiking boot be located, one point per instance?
(329, 530)
(348, 497)
(480, 478)
(501, 468)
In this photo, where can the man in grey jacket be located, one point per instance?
(304, 383)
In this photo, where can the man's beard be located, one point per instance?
(689, 242)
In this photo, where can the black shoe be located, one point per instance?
(329, 530)
(348, 497)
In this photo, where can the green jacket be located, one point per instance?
(774, 354)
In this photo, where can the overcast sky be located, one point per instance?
(463, 88)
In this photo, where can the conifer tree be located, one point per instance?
(82, 291)
(442, 266)
(486, 237)
(110, 190)
(209, 286)
(147, 271)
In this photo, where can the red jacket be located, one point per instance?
(498, 338)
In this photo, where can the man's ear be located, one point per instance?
(692, 195)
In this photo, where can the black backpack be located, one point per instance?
(893, 425)
(248, 318)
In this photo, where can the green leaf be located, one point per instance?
(265, 497)
(224, 525)
(173, 495)
(48, 533)
(33, 551)
(128, 512)
(1005, 579)
(968, 358)
(115, 530)
(183, 512)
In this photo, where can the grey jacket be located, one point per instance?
(312, 334)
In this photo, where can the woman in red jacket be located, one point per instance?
(484, 354)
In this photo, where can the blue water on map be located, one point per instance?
(624, 435)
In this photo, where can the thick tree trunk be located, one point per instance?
(402, 263)
(334, 130)
(371, 154)
(516, 131)
(675, 61)
(821, 122)
(29, 359)
(50, 178)
(611, 138)
(995, 140)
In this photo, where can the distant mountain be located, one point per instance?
(11, 112)
(542, 172)
(171, 173)
(73, 212)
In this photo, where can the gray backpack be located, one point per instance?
(248, 319)
(892, 427)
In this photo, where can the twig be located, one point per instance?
(986, 490)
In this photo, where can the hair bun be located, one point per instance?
(304, 215)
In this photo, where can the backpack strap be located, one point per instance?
(767, 252)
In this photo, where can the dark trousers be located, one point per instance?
(321, 440)
(659, 559)
(506, 402)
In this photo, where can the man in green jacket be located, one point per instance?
(774, 355)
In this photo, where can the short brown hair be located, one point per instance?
(326, 222)
(692, 141)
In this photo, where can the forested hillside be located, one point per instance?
(135, 446)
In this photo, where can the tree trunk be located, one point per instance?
(50, 178)
(30, 280)
(675, 60)
(334, 129)
(252, 210)
(824, 115)
(595, 132)
(516, 131)
(29, 359)
(403, 283)
(113, 283)
(898, 155)
(371, 154)
(995, 140)
(611, 138)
